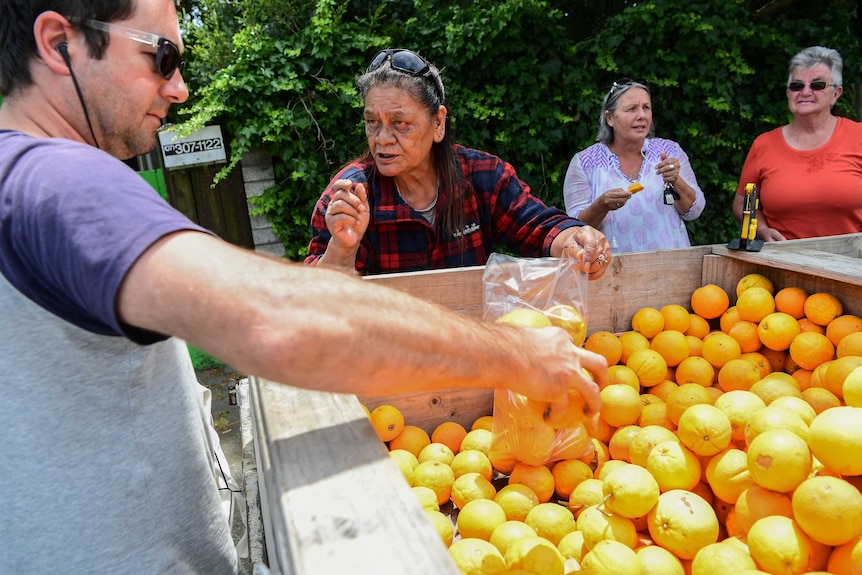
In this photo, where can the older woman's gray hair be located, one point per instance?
(814, 55)
(610, 103)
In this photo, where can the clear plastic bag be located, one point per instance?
(519, 432)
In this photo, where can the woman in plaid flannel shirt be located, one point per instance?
(415, 200)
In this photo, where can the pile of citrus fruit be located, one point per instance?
(729, 441)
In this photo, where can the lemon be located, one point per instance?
(479, 518)
(683, 522)
(525, 317)
(516, 500)
(598, 526)
(631, 491)
(471, 486)
(610, 557)
(836, 439)
(443, 526)
(572, 546)
(571, 320)
(657, 560)
(477, 557)
(551, 521)
(427, 497)
(535, 555)
(438, 476)
(406, 462)
(436, 452)
(507, 533)
(478, 439)
(472, 461)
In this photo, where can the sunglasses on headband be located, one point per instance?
(816, 86)
(167, 53)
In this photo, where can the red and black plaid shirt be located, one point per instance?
(501, 212)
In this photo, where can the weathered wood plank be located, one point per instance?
(333, 498)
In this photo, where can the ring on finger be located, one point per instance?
(603, 261)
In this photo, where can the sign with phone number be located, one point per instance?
(204, 146)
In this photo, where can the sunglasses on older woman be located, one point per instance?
(405, 61)
(816, 86)
(167, 54)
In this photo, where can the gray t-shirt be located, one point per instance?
(104, 465)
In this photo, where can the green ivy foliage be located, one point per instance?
(524, 80)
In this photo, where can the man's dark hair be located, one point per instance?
(18, 47)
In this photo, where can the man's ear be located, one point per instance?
(51, 33)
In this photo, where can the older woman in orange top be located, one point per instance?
(809, 172)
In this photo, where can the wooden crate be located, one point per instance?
(332, 499)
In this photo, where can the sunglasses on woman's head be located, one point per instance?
(627, 82)
(408, 62)
(168, 57)
(816, 86)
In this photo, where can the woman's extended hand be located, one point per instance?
(589, 247)
(347, 217)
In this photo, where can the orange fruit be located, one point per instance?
(676, 317)
(649, 365)
(775, 385)
(835, 438)
(704, 429)
(450, 434)
(810, 349)
(818, 502)
(620, 441)
(516, 500)
(598, 428)
(709, 301)
(413, 439)
(656, 414)
(695, 369)
(803, 376)
(623, 374)
(606, 344)
(663, 389)
(851, 391)
(695, 345)
(756, 502)
(754, 280)
(621, 405)
(479, 517)
(728, 319)
(850, 344)
(837, 372)
(719, 348)
(775, 358)
(537, 477)
(683, 523)
(738, 374)
(822, 308)
(738, 406)
(777, 330)
(568, 474)
(698, 326)
(845, 559)
(745, 333)
(683, 397)
(754, 304)
(631, 342)
(387, 421)
(806, 324)
(672, 345)
(760, 360)
(728, 475)
(791, 300)
(484, 422)
(841, 326)
(820, 398)
(673, 465)
(779, 460)
(648, 321)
